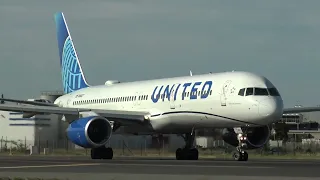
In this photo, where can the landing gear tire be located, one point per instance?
(102, 153)
(179, 154)
(245, 156)
(194, 154)
(187, 154)
(240, 156)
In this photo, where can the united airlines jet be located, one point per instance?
(242, 104)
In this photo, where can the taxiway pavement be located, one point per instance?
(142, 168)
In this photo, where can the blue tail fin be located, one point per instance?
(72, 76)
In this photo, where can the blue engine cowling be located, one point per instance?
(90, 132)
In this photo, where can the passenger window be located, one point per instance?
(273, 92)
(261, 92)
(241, 92)
(249, 91)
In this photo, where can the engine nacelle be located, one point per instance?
(256, 136)
(90, 132)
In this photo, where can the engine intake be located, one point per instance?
(256, 136)
(90, 132)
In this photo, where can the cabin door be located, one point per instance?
(224, 93)
(137, 100)
(172, 100)
(172, 95)
(68, 102)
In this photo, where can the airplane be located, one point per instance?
(242, 104)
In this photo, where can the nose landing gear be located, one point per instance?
(240, 154)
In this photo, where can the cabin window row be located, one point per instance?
(187, 94)
(111, 100)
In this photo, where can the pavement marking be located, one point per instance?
(223, 161)
(179, 165)
(133, 164)
(47, 166)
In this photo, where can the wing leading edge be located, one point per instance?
(300, 110)
(123, 117)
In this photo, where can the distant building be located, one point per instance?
(39, 129)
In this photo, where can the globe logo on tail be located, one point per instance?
(72, 77)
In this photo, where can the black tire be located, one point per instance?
(108, 153)
(95, 153)
(245, 156)
(237, 156)
(193, 154)
(179, 154)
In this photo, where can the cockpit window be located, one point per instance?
(258, 91)
(273, 92)
(261, 92)
(241, 92)
(249, 91)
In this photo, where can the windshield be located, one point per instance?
(257, 91)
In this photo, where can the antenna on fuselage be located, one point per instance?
(190, 73)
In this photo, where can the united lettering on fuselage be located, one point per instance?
(165, 91)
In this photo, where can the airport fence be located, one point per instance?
(142, 147)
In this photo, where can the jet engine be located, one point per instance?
(90, 132)
(256, 137)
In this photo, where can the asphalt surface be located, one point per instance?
(142, 168)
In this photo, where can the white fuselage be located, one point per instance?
(180, 107)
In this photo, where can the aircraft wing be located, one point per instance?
(28, 102)
(300, 110)
(123, 117)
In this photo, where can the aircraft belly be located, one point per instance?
(138, 130)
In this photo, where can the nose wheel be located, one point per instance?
(240, 155)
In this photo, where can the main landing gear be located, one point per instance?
(240, 154)
(102, 153)
(189, 152)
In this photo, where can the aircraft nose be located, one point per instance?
(271, 108)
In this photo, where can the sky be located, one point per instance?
(131, 40)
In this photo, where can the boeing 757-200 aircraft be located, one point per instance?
(243, 104)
